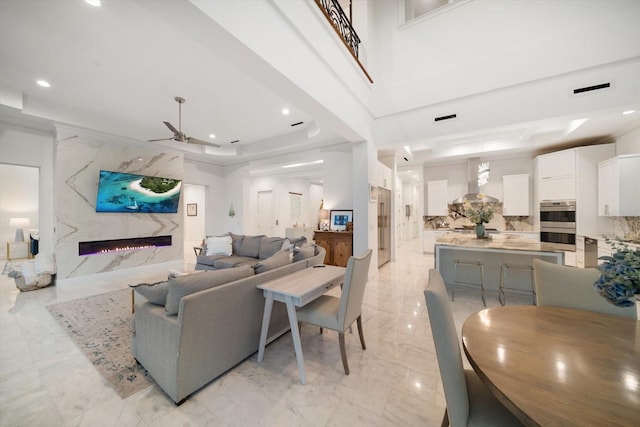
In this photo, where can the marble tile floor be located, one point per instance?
(46, 381)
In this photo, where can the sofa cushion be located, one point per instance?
(155, 293)
(303, 253)
(208, 260)
(269, 246)
(250, 246)
(186, 285)
(279, 259)
(233, 261)
(219, 245)
(236, 242)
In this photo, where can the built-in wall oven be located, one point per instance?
(558, 224)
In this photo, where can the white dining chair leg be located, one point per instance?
(343, 352)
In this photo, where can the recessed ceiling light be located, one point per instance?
(628, 112)
(95, 3)
(285, 111)
(212, 136)
(43, 83)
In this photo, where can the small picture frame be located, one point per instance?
(373, 193)
(339, 219)
(192, 209)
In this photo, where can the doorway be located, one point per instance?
(384, 226)
(19, 203)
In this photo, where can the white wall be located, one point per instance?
(34, 148)
(629, 143)
(213, 180)
(194, 226)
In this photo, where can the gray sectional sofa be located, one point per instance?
(217, 324)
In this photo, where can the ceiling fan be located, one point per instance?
(178, 135)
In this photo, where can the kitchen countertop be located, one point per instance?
(495, 241)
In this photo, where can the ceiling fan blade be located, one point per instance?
(191, 140)
(171, 128)
(161, 139)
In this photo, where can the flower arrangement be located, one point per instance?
(619, 281)
(478, 214)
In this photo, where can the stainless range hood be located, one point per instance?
(473, 189)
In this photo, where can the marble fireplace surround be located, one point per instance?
(79, 157)
(97, 247)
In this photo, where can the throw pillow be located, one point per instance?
(236, 242)
(279, 259)
(269, 246)
(250, 246)
(219, 245)
(303, 253)
(186, 285)
(155, 293)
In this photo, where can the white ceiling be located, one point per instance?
(117, 69)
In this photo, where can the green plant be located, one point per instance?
(619, 280)
(478, 213)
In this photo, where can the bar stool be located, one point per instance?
(504, 269)
(468, 263)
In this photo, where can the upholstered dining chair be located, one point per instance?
(339, 313)
(571, 287)
(469, 401)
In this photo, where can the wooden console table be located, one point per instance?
(338, 244)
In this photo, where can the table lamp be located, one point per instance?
(324, 219)
(19, 223)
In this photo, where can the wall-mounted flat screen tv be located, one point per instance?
(127, 192)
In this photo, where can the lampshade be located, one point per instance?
(19, 223)
(324, 213)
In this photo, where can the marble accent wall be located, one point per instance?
(79, 158)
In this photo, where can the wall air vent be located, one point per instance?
(449, 117)
(296, 124)
(590, 88)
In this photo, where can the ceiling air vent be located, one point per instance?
(296, 124)
(590, 88)
(441, 118)
(234, 141)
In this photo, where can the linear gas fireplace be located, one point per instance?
(122, 245)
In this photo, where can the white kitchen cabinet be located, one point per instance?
(429, 240)
(437, 198)
(560, 163)
(570, 258)
(558, 188)
(516, 195)
(618, 190)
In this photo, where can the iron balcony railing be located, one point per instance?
(342, 25)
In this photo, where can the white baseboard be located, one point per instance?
(131, 275)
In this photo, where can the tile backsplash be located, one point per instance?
(627, 227)
(499, 221)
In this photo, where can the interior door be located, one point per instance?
(265, 213)
(384, 226)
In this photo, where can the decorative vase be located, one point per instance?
(480, 230)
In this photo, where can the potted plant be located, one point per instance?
(478, 213)
(619, 281)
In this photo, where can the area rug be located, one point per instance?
(101, 326)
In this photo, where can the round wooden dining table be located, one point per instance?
(554, 366)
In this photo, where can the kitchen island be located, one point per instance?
(492, 252)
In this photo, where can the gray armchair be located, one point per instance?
(469, 401)
(571, 287)
(338, 314)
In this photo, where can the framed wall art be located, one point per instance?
(192, 209)
(339, 219)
